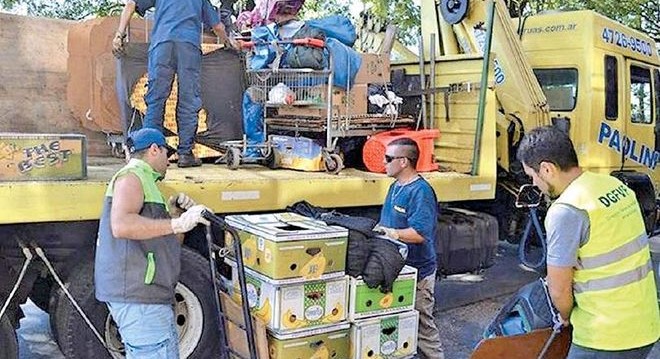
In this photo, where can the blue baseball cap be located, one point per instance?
(143, 138)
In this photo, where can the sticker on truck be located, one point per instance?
(640, 153)
(627, 42)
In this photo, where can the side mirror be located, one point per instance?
(529, 196)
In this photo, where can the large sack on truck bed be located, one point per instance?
(466, 241)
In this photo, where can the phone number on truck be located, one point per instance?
(627, 42)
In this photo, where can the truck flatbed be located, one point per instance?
(250, 188)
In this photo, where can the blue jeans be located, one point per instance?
(166, 59)
(147, 330)
(579, 352)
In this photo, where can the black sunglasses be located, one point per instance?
(389, 158)
(170, 151)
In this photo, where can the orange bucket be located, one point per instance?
(374, 149)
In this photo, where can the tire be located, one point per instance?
(9, 347)
(196, 316)
(334, 163)
(233, 158)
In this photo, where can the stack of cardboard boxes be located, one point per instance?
(374, 69)
(384, 325)
(296, 284)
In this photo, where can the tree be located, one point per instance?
(405, 14)
(67, 9)
(642, 15)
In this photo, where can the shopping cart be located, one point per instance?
(300, 88)
(300, 101)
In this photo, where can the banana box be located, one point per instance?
(297, 153)
(327, 343)
(288, 245)
(386, 337)
(291, 306)
(368, 302)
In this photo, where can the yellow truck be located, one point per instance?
(595, 78)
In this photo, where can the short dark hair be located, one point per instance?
(411, 148)
(547, 144)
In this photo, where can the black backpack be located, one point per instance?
(303, 56)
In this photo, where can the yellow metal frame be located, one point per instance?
(225, 191)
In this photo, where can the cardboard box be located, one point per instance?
(298, 153)
(327, 343)
(374, 69)
(344, 103)
(386, 337)
(290, 246)
(367, 302)
(293, 306)
(236, 336)
(34, 157)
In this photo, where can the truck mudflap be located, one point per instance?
(9, 347)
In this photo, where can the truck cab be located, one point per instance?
(601, 80)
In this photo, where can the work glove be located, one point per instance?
(118, 44)
(179, 203)
(389, 232)
(189, 219)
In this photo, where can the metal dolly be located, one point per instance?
(228, 352)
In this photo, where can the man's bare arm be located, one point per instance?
(220, 32)
(409, 235)
(560, 285)
(125, 17)
(126, 221)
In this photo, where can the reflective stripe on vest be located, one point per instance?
(618, 280)
(615, 255)
(614, 290)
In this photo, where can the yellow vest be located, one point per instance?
(616, 307)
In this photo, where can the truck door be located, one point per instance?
(641, 112)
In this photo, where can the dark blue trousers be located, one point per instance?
(165, 60)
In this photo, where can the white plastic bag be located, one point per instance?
(281, 94)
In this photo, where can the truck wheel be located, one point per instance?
(196, 316)
(9, 347)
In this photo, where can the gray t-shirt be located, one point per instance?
(567, 230)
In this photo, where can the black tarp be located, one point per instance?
(222, 86)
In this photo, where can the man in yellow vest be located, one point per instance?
(600, 274)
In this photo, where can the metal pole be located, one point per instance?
(422, 83)
(483, 89)
(431, 123)
(224, 342)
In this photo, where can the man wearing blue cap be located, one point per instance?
(174, 48)
(138, 249)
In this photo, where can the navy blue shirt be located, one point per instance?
(178, 20)
(414, 205)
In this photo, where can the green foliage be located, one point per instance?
(67, 9)
(643, 15)
(320, 8)
(404, 14)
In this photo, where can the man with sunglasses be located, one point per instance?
(410, 214)
(138, 248)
